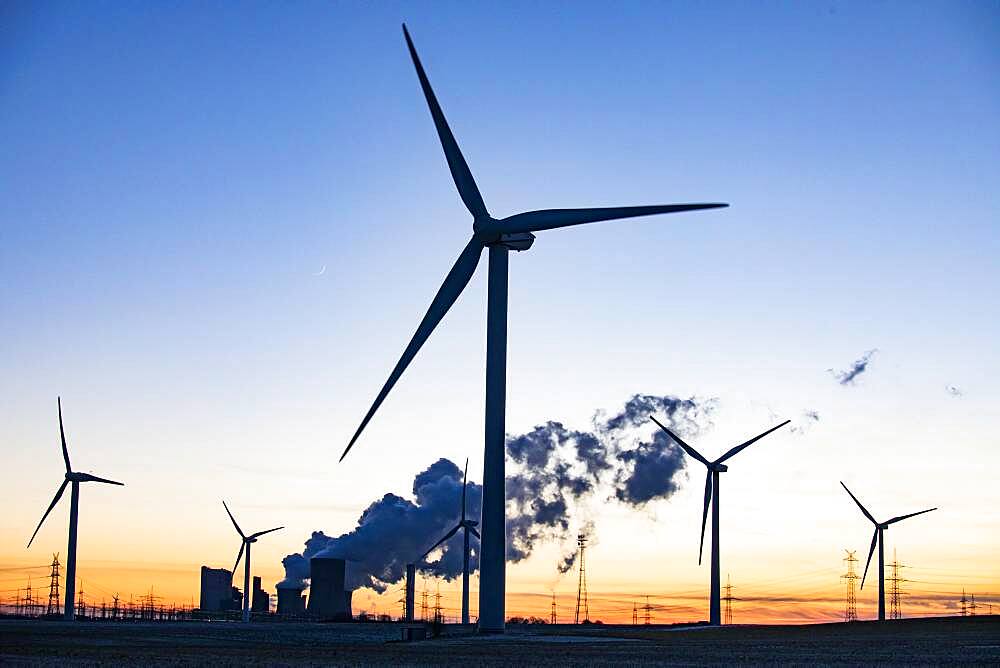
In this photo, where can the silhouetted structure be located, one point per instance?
(73, 479)
(500, 237)
(850, 577)
(712, 499)
(247, 542)
(411, 588)
(581, 584)
(53, 607)
(894, 589)
(328, 599)
(467, 526)
(217, 591)
(877, 538)
(261, 601)
(552, 612)
(290, 600)
(728, 598)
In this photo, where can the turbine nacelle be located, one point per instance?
(718, 468)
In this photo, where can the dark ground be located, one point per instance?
(945, 640)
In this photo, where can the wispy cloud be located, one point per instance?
(849, 375)
(954, 391)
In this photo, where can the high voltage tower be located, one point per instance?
(423, 603)
(635, 614)
(972, 606)
(894, 591)
(646, 609)
(81, 607)
(581, 585)
(964, 601)
(437, 605)
(552, 611)
(728, 598)
(851, 577)
(53, 607)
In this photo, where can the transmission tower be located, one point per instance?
(851, 578)
(437, 605)
(635, 614)
(964, 601)
(552, 611)
(581, 587)
(29, 601)
(423, 602)
(81, 607)
(728, 598)
(894, 590)
(647, 617)
(53, 607)
(972, 606)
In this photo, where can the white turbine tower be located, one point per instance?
(880, 528)
(71, 478)
(712, 498)
(469, 526)
(499, 236)
(245, 545)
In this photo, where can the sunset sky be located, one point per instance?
(220, 225)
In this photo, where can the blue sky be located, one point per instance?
(175, 174)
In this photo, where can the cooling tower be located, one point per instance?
(327, 597)
(290, 601)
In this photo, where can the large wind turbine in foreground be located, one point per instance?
(469, 526)
(877, 538)
(247, 542)
(712, 497)
(71, 478)
(500, 236)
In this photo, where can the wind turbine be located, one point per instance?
(712, 497)
(469, 526)
(245, 545)
(73, 478)
(499, 236)
(878, 538)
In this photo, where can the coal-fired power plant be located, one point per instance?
(328, 599)
(290, 600)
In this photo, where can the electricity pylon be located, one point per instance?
(851, 577)
(53, 607)
(728, 598)
(581, 585)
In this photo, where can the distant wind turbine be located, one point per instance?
(469, 526)
(712, 497)
(71, 478)
(877, 538)
(499, 236)
(245, 545)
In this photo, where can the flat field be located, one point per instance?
(946, 640)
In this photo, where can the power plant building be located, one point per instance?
(261, 601)
(328, 599)
(217, 591)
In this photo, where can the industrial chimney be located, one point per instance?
(410, 590)
(327, 598)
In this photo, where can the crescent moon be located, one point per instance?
(321, 271)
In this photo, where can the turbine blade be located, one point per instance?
(863, 509)
(454, 283)
(465, 480)
(86, 477)
(475, 533)
(62, 435)
(238, 529)
(903, 517)
(261, 533)
(548, 219)
(238, 557)
(871, 551)
(687, 448)
(55, 500)
(460, 172)
(446, 537)
(704, 513)
(753, 440)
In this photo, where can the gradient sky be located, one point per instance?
(175, 175)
